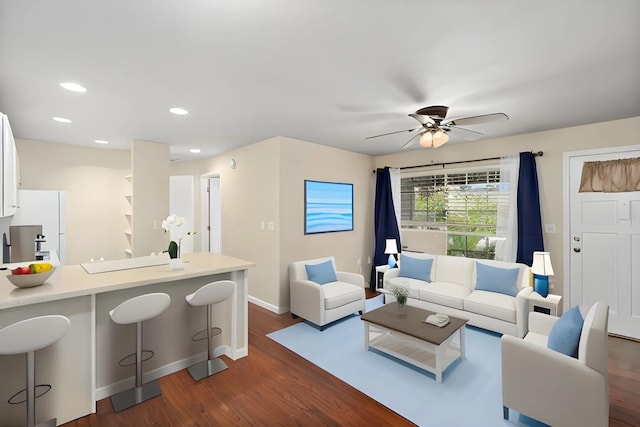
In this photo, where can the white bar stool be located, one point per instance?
(209, 294)
(137, 310)
(28, 336)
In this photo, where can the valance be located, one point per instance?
(611, 176)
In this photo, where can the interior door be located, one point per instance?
(215, 216)
(604, 240)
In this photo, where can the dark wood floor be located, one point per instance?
(275, 387)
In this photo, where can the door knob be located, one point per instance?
(577, 250)
(576, 238)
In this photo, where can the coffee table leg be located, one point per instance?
(462, 342)
(439, 359)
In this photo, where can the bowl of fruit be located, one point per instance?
(31, 275)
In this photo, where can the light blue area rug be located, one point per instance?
(470, 394)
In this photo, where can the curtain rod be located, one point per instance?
(536, 154)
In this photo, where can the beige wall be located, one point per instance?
(95, 184)
(267, 185)
(554, 144)
(150, 185)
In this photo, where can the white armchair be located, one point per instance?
(323, 304)
(552, 387)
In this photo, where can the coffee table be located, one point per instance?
(406, 336)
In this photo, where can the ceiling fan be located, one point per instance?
(434, 127)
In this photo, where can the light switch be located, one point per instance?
(270, 226)
(550, 228)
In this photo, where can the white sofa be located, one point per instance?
(552, 387)
(452, 291)
(323, 304)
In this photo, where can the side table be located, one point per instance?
(549, 305)
(380, 270)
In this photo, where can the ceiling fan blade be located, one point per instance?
(422, 119)
(392, 133)
(462, 133)
(409, 142)
(476, 120)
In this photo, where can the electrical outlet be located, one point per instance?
(550, 228)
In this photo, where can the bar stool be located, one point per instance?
(137, 310)
(208, 295)
(28, 336)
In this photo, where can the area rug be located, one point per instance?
(470, 394)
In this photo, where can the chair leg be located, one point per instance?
(212, 365)
(141, 392)
(505, 412)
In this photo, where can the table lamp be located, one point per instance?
(391, 248)
(542, 269)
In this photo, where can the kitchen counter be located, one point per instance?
(83, 366)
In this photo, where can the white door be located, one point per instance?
(603, 241)
(215, 216)
(181, 202)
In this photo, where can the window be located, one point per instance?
(464, 203)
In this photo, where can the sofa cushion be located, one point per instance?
(495, 279)
(321, 273)
(447, 294)
(453, 269)
(565, 333)
(492, 304)
(415, 268)
(414, 285)
(337, 294)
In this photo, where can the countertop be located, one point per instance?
(70, 281)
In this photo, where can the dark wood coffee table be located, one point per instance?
(407, 337)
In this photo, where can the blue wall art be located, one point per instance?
(328, 207)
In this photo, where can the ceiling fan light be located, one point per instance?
(440, 138)
(426, 139)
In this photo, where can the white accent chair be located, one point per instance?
(552, 387)
(323, 304)
(28, 336)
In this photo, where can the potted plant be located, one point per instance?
(401, 293)
(173, 221)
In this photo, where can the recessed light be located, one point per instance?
(101, 141)
(73, 87)
(179, 111)
(61, 120)
(194, 150)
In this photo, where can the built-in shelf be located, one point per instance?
(128, 215)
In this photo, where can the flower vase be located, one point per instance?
(402, 303)
(176, 264)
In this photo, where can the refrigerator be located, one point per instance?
(47, 209)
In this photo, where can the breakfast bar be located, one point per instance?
(85, 365)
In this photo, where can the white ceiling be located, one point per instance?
(326, 71)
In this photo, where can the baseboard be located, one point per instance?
(270, 307)
(127, 383)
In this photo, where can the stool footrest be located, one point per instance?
(128, 398)
(207, 368)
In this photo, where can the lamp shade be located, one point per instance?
(439, 138)
(542, 264)
(426, 139)
(391, 247)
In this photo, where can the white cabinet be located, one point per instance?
(9, 172)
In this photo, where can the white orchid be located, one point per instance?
(171, 220)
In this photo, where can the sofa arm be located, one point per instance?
(353, 278)
(540, 323)
(389, 274)
(522, 311)
(307, 300)
(552, 387)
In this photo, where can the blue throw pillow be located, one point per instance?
(494, 279)
(321, 273)
(565, 333)
(415, 268)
